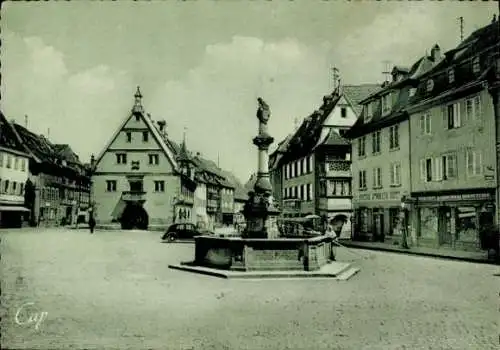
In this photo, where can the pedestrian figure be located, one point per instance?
(330, 232)
(91, 224)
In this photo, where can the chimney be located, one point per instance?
(436, 53)
(26, 121)
(494, 18)
(198, 154)
(92, 161)
(162, 127)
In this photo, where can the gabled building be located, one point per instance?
(315, 161)
(14, 171)
(381, 152)
(453, 160)
(58, 183)
(136, 178)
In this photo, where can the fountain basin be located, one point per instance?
(260, 254)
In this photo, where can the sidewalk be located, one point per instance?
(476, 257)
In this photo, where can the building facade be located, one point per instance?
(136, 179)
(314, 163)
(381, 153)
(454, 166)
(14, 172)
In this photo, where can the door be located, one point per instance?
(444, 226)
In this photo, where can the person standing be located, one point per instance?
(91, 223)
(330, 232)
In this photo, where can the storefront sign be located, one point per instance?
(457, 197)
(395, 195)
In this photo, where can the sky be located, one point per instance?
(73, 67)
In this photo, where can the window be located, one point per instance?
(474, 163)
(393, 137)
(368, 112)
(154, 159)
(308, 165)
(473, 108)
(111, 185)
(376, 142)
(145, 136)
(300, 167)
(377, 178)
(14, 187)
(159, 186)
(362, 180)
(425, 124)
(343, 112)
(295, 192)
(430, 85)
(309, 192)
(362, 146)
(395, 174)
(9, 161)
(21, 188)
(303, 165)
(137, 117)
(449, 166)
(296, 168)
(129, 136)
(476, 66)
(451, 75)
(386, 103)
(16, 163)
(6, 186)
(340, 188)
(453, 113)
(23, 164)
(426, 170)
(121, 158)
(412, 92)
(292, 169)
(301, 192)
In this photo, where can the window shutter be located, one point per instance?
(444, 114)
(422, 124)
(391, 170)
(456, 115)
(423, 170)
(478, 163)
(438, 173)
(470, 162)
(428, 123)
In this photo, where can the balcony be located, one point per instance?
(335, 204)
(134, 196)
(338, 168)
(186, 199)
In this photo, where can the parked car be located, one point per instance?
(183, 231)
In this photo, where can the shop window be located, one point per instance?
(364, 219)
(428, 223)
(466, 225)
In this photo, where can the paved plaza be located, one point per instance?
(114, 290)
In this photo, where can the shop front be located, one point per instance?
(453, 219)
(376, 215)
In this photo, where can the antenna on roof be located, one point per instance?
(461, 22)
(387, 72)
(335, 77)
(184, 135)
(26, 121)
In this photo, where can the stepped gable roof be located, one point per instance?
(8, 136)
(357, 93)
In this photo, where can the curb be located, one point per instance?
(430, 255)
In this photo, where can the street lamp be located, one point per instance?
(404, 223)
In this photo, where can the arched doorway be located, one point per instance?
(338, 222)
(134, 217)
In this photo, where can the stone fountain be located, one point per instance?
(260, 247)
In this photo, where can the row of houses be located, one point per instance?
(423, 144)
(426, 142)
(41, 183)
(142, 178)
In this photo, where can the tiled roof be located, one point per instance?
(357, 93)
(37, 144)
(334, 139)
(8, 137)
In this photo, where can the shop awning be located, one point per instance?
(13, 208)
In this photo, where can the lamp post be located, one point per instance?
(404, 223)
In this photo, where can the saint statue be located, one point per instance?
(263, 113)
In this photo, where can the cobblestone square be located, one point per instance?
(114, 290)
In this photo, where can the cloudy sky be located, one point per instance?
(73, 67)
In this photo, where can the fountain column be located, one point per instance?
(259, 211)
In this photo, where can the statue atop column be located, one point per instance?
(259, 211)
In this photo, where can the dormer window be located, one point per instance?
(476, 67)
(430, 85)
(137, 117)
(386, 103)
(451, 75)
(368, 112)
